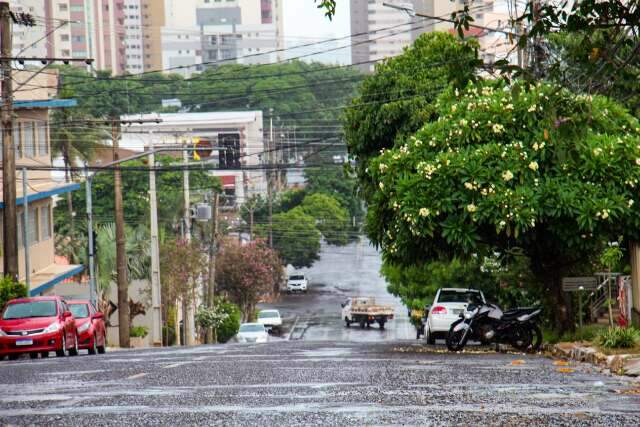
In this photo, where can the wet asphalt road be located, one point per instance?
(310, 383)
(341, 272)
(326, 375)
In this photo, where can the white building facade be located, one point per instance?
(134, 52)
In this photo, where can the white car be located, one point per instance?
(270, 319)
(447, 306)
(297, 283)
(252, 333)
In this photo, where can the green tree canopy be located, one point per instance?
(331, 219)
(295, 237)
(399, 97)
(510, 166)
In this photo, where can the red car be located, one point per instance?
(37, 326)
(92, 334)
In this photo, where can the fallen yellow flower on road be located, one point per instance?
(561, 363)
(517, 362)
(566, 370)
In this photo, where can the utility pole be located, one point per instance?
(25, 228)
(121, 254)
(9, 213)
(92, 275)
(213, 248)
(187, 311)
(270, 178)
(156, 314)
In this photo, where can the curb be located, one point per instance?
(620, 364)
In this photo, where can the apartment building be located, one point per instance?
(32, 142)
(133, 37)
(241, 31)
(52, 37)
(385, 31)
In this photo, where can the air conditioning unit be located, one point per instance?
(201, 212)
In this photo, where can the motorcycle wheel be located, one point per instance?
(456, 340)
(521, 338)
(536, 335)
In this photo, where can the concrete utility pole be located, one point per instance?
(270, 178)
(93, 291)
(187, 309)
(9, 213)
(156, 314)
(121, 254)
(213, 248)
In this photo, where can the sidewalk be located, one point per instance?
(620, 364)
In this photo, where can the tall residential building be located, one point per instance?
(241, 31)
(98, 32)
(383, 31)
(133, 37)
(41, 40)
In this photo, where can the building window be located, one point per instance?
(45, 223)
(33, 226)
(17, 140)
(64, 37)
(29, 143)
(43, 143)
(63, 7)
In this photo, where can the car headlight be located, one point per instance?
(85, 326)
(2, 333)
(54, 327)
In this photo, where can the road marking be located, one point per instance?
(295, 322)
(136, 376)
(175, 365)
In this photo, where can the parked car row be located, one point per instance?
(269, 321)
(41, 325)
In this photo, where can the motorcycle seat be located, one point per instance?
(516, 312)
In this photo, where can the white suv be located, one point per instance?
(447, 306)
(297, 283)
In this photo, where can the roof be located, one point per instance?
(191, 119)
(42, 191)
(50, 103)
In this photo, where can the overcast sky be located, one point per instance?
(304, 23)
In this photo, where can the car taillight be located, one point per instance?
(438, 309)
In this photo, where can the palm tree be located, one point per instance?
(74, 138)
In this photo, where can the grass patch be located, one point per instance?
(587, 333)
(617, 337)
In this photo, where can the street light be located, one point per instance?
(405, 7)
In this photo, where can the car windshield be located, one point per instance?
(299, 277)
(24, 310)
(460, 296)
(267, 314)
(251, 328)
(80, 311)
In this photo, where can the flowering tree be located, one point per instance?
(537, 168)
(247, 272)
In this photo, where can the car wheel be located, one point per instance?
(94, 347)
(431, 338)
(2, 356)
(102, 348)
(33, 355)
(14, 356)
(381, 323)
(346, 322)
(62, 352)
(44, 354)
(74, 350)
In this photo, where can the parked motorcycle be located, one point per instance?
(488, 324)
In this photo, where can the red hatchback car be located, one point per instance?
(37, 326)
(92, 334)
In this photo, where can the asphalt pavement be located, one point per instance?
(341, 272)
(310, 383)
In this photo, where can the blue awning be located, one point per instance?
(49, 103)
(46, 194)
(51, 283)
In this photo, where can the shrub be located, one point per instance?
(619, 338)
(139, 331)
(231, 324)
(10, 289)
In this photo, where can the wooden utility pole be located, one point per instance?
(213, 248)
(121, 254)
(9, 213)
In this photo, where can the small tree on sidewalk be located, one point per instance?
(182, 264)
(247, 272)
